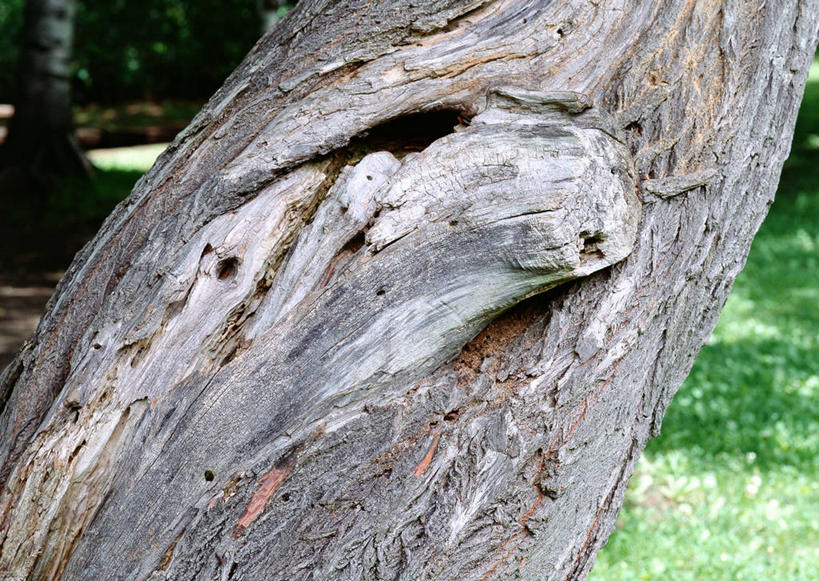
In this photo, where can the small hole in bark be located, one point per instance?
(380, 292)
(452, 416)
(433, 423)
(140, 353)
(77, 449)
(635, 127)
(369, 178)
(230, 356)
(525, 21)
(560, 33)
(227, 268)
(209, 476)
(613, 171)
(96, 346)
(286, 496)
(453, 222)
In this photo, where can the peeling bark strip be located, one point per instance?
(424, 464)
(302, 268)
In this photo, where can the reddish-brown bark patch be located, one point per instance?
(423, 464)
(269, 483)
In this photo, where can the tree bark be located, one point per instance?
(314, 342)
(41, 140)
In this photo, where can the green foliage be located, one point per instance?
(731, 488)
(151, 49)
(160, 48)
(11, 22)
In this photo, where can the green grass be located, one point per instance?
(731, 488)
(118, 169)
(136, 159)
(44, 234)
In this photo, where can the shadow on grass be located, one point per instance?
(800, 169)
(84, 201)
(42, 235)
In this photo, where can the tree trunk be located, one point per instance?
(41, 139)
(311, 344)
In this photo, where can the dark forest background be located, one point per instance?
(150, 49)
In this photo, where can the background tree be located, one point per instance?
(138, 73)
(235, 394)
(41, 139)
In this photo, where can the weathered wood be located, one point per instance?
(266, 364)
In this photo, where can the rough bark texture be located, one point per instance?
(298, 350)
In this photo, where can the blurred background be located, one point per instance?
(107, 83)
(731, 488)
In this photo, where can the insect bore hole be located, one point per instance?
(452, 416)
(227, 268)
(209, 476)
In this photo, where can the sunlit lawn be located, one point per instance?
(731, 488)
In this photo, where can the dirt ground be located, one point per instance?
(31, 265)
(22, 303)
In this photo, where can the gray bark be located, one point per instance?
(41, 138)
(314, 342)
